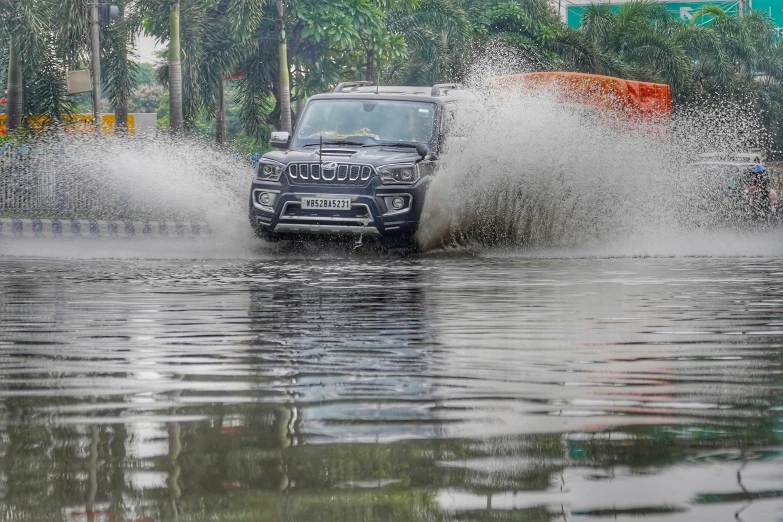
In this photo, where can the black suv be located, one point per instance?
(359, 164)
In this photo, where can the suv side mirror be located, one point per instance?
(280, 140)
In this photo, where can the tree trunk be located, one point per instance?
(369, 73)
(175, 73)
(97, 87)
(220, 117)
(121, 119)
(284, 74)
(121, 109)
(14, 94)
(444, 64)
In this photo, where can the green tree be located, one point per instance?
(438, 36)
(163, 19)
(175, 70)
(34, 74)
(119, 68)
(643, 37)
(283, 81)
(145, 74)
(318, 44)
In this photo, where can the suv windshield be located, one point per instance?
(366, 122)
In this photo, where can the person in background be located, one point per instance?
(763, 197)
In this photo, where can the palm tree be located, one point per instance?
(642, 36)
(227, 37)
(283, 68)
(437, 34)
(14, 92)
(24, 25)
(183, 27)
(47, 37)
(119, 69)
(213, 40)
(175, 71)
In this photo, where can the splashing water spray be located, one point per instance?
(532, 169)
(527, 171)
(83, 177)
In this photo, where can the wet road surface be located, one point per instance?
(359, 388)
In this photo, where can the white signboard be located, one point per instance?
(78, 81)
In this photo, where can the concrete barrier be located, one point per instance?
(54, 228)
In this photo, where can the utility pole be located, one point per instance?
(95, 24)
(220, 117)
(176, 121)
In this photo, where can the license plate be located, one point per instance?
(326, 203)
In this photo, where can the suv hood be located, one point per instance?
(375, 156)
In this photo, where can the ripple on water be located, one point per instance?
(449, 386)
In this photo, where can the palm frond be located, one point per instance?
(665, 57)
(581, 53)
(119, 67)
(598, 24)
(253, 95)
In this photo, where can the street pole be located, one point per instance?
(96, 65)
(176, 121)
(741, 8)
(15, 90)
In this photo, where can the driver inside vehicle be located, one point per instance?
(412, 126)
(353, 124)
(369, 122)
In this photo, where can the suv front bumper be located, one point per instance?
(370, 214)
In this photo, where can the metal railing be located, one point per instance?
(34, 183)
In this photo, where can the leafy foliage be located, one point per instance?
(716, 56)
(31, 25)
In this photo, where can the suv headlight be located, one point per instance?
(399, 174)
(269, 170)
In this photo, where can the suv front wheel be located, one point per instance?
(261, 233)
(399, 242)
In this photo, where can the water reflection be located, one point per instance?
(338, 347)
(364, 389)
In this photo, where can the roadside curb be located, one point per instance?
(56, 228)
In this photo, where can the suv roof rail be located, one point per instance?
(445, 86)
(344, 85)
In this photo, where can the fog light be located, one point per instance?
(264, 198)
(398, 203)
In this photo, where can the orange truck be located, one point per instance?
(641, 101)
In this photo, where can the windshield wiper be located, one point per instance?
(343, 142)
(397, 144)
(335, 142)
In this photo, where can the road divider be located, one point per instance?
(55, 228)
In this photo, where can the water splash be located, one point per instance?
(529, 173)
(131, 178)
(534, 172)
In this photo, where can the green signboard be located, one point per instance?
(685, 10)
(774, 8)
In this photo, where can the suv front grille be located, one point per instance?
(311, 173)
(294, 211)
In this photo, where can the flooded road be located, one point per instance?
(364, 388)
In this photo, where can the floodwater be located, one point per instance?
(356, 387)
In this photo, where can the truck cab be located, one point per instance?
(358, 164)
